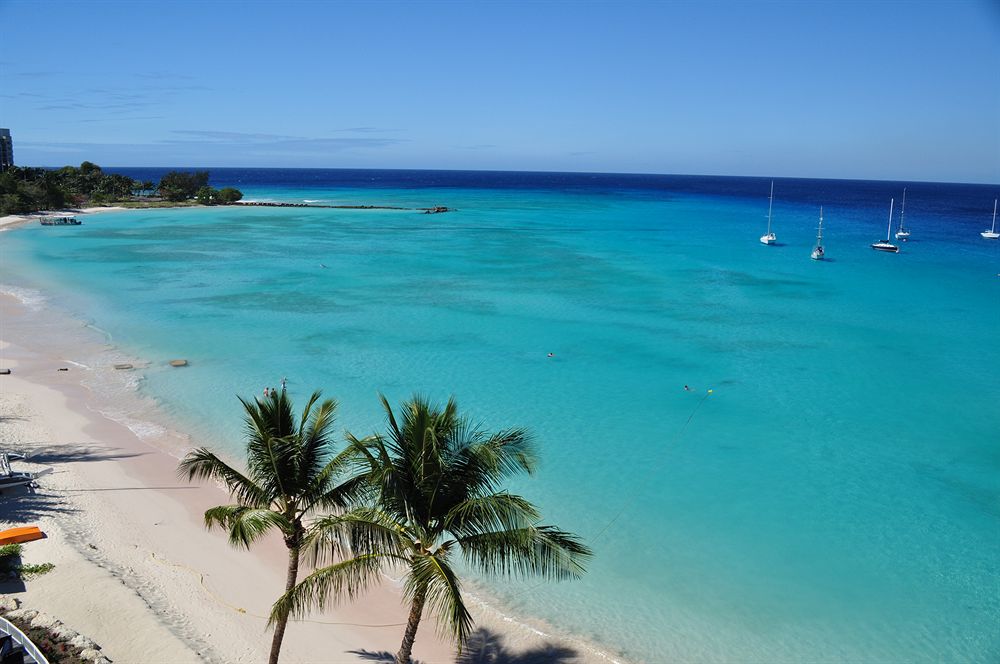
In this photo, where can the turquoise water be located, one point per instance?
(835, 498)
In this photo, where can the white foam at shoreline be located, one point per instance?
(29, 297)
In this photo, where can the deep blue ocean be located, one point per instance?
(827, 489)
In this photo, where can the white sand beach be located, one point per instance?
(135, 569)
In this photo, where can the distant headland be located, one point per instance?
(25, 190)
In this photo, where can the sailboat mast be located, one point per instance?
(770, 201)
(819, 235)
(888, 231)
(994, 216)
(902, 208)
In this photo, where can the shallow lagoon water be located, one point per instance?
(836, 497)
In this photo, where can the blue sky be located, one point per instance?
(881, 90)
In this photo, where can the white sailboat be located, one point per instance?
(818, 253)
(992, 233)
(902, 233)
(769, 237)
(885, 245)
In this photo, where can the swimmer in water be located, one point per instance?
(687, 389)
(552, 354)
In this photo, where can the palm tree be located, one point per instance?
(290, 472)
(434, 490)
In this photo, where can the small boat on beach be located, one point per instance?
(769, 237)
(902, 233)
(992, 233)
(817, 252)
(885, 245)
(61, 220)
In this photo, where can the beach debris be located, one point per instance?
(178, 363)
(4, 372)
(63, 369)
(123, 365)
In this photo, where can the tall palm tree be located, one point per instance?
(434, 490)
(291, 470)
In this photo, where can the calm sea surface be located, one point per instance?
(836, 497)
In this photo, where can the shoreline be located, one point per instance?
(12, 221)
(153, 544)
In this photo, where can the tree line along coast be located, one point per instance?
(31, 189)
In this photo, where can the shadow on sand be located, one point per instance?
(50, 455)
(487, 647)
(21, 504)
(24, 504)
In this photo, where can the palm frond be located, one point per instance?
(494, 512)
(328, 585)
(444, 595)
(315, 433)
(322, 490)
(358, 532)
(539, 550)
(202, 464)
(245, 525)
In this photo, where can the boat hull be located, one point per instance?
(886, 247)
(770, 238)
(990, 235)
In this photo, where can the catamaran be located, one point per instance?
(902, 233)
(818, 253)
(885, 245)
(992, 233)
(769, 237)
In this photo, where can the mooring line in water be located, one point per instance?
(642, 487)
(656, 469)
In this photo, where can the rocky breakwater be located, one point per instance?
(52, 637)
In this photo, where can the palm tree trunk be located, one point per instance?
(279, 625)
(416, 609)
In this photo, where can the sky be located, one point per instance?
(895, 90)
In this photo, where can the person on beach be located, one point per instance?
(267, 392)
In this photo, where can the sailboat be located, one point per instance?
(769, 237)
(992, 233)
(885, 245)
(817, 254)
(902, 233)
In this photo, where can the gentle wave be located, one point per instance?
(29, 297)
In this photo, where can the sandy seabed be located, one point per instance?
(135, 568)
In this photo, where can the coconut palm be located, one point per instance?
(434, 490)
(291, 470)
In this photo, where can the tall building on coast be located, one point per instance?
(6, 150)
